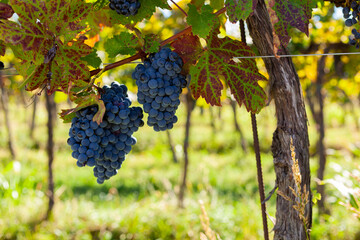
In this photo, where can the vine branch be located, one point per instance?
(257, 155)
(179, 7)
(142, 54)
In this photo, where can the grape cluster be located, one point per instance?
(352, 17)
(104, 146)
(159, 87)
(125, 7)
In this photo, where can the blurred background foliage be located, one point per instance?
(141, 201)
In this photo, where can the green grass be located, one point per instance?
(140, 202)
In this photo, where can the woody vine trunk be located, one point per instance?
(285, 90)
(50, 107)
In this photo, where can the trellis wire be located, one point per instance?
(247, 57)
(302, 55)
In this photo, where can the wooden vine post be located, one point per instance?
(291, 118)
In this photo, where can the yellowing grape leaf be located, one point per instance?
(217, 63)
(217, 4)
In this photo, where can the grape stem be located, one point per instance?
(179, 7)
(141, 54)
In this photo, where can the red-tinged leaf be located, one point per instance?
(216, 64)
(67, 66)
(39, 21)
(240, 9)
(227, 49)
(2, 48)
(188, 47)
(31, 37)
(291, 13)
(83, 102)
(36, 79)
(245, 89)
(6, 11)
(205, 79)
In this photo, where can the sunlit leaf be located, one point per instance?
(239, 9)
(125, 43)
(202, 22)
(216, 63)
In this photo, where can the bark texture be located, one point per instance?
(286, 92)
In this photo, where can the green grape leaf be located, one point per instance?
(292, 13)
(188, 47)
(240, 9)
(151, 43)
(217, 64)
(198, 3)
(125, 44)
(146, 10)
(203, 22)
(83, 102)
(216, 4)
(92, 59)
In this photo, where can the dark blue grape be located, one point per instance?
(75, 155)
(91, 162)
(354, 5)
(104, 143)
(348, 22)
(82, 158)
(79, 164)
(71, 141)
